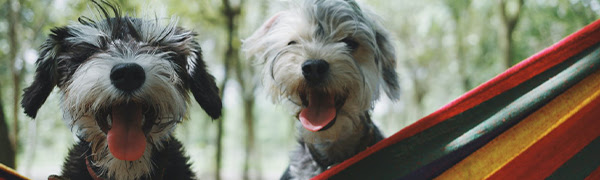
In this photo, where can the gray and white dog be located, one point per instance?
(124, 85)
(327, 60)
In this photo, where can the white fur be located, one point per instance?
(317, 29)
(355, 73)
(90, 90)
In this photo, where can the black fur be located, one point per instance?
(204, 88)
(36, 94)
(169, 163)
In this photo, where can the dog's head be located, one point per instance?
(124, 83)
(329, 58)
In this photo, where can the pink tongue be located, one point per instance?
(126, 140)
(319, 113)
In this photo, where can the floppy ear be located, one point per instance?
(387, 59)
(202, 84)
(256, 43)
(45, 74)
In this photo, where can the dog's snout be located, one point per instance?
(127, 76)
(315, 70)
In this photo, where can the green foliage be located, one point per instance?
(545, 23)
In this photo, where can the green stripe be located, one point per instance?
(580, 165)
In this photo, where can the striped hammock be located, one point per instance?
(539, 119)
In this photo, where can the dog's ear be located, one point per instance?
(45, 74)
(256, 43)
(202, 84)
(387, 60)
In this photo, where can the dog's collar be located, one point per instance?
(91, 171)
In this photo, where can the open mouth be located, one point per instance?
(319, 109)
(126, 126)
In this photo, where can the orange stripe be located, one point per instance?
(594, 175)
(529, 131)
(558, 146)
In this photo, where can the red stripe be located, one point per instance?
(594, 175)
(532, 66)
(549, 153)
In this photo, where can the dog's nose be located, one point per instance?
(127, 76)
(315, 70)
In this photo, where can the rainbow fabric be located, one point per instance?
(539, 119)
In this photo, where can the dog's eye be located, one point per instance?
(351, 44)
(292, 43)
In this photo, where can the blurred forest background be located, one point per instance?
(444, 48)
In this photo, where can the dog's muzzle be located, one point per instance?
(319, 107)
(126, 133)
(127, 76)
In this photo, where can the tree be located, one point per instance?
(510, 12)
(459, 12)
(14, 48)
(7, 153)
(231, 14)
(22, 33)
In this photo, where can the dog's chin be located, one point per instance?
(115, 168)
(332, 133)
(319, 115)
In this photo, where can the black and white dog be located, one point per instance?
(124, 86)
(328, 61)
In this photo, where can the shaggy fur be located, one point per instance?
(359, 63)
(80, 59)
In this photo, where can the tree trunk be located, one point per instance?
(245, 76)
(14, 47)
(227, 67)
(510, 21)
(242, 73)
(7, 152)
(420, 88)
(508, 52)
(231, 58)
(459, 11)
(249, 144)
(461, 58)
(32, 145)
(219, 150)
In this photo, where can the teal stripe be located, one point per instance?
(429, 153)
(582, 164)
